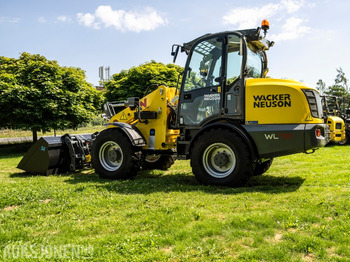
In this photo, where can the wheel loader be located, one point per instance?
(334, 120)
(345, 115)
(227, 118)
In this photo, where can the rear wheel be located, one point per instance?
(221, 157)
(261, 168)
(113, 155)
(154, 161)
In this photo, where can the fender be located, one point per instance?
(132, 132)
(235, 128)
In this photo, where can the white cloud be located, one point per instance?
(292, 29)
(284, 11)
(64, 19)
(249, 17)
(110, 17)
(291, 6)
(87, 20)
(42, 20)
(136, 21)
(5, 19)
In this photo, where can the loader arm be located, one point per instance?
(151, 116)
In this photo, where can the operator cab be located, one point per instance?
(330, 106)
(215, 73)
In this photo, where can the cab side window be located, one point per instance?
(234, 59)
(205, 65)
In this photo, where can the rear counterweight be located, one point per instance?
(279, 140)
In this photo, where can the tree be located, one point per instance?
(341, 79)
(340, 88)
(38, 94)
(135, 81)
(321, 86)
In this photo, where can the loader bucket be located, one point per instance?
(55, 155)
(44, 157)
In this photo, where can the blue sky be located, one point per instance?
(311, 36)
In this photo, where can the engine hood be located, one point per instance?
(278, 101)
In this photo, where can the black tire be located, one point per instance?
(346, 140)
(161, 162)
(261, 168)
(113, 156)
(221, 157)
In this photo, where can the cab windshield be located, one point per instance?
(254, 64)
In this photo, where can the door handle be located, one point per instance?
(219, 79)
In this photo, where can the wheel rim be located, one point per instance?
(111, 156)
(152, 158)
(219, 160)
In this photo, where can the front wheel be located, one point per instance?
(113, 156)
(346, 140)
(221, 157)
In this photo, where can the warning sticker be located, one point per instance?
(123, 117)
(309, 117)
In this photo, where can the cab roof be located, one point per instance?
(250, 34)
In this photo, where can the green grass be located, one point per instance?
(298, 211)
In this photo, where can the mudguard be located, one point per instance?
(250, 143)
(132, 132)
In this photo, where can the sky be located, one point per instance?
(311, 37)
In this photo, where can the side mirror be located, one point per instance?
(175, 51)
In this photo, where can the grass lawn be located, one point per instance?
(298, 211)
(5, 133)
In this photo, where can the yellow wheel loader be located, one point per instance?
(345, 115)
(334, 120)
(227, 118)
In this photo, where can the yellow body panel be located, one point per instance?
(337, 128)
(277, 101)
(157, 101)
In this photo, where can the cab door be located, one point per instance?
(201, 87)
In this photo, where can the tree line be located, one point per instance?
(340, 88)
(38, 94)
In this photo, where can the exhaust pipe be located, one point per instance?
(56, 155)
